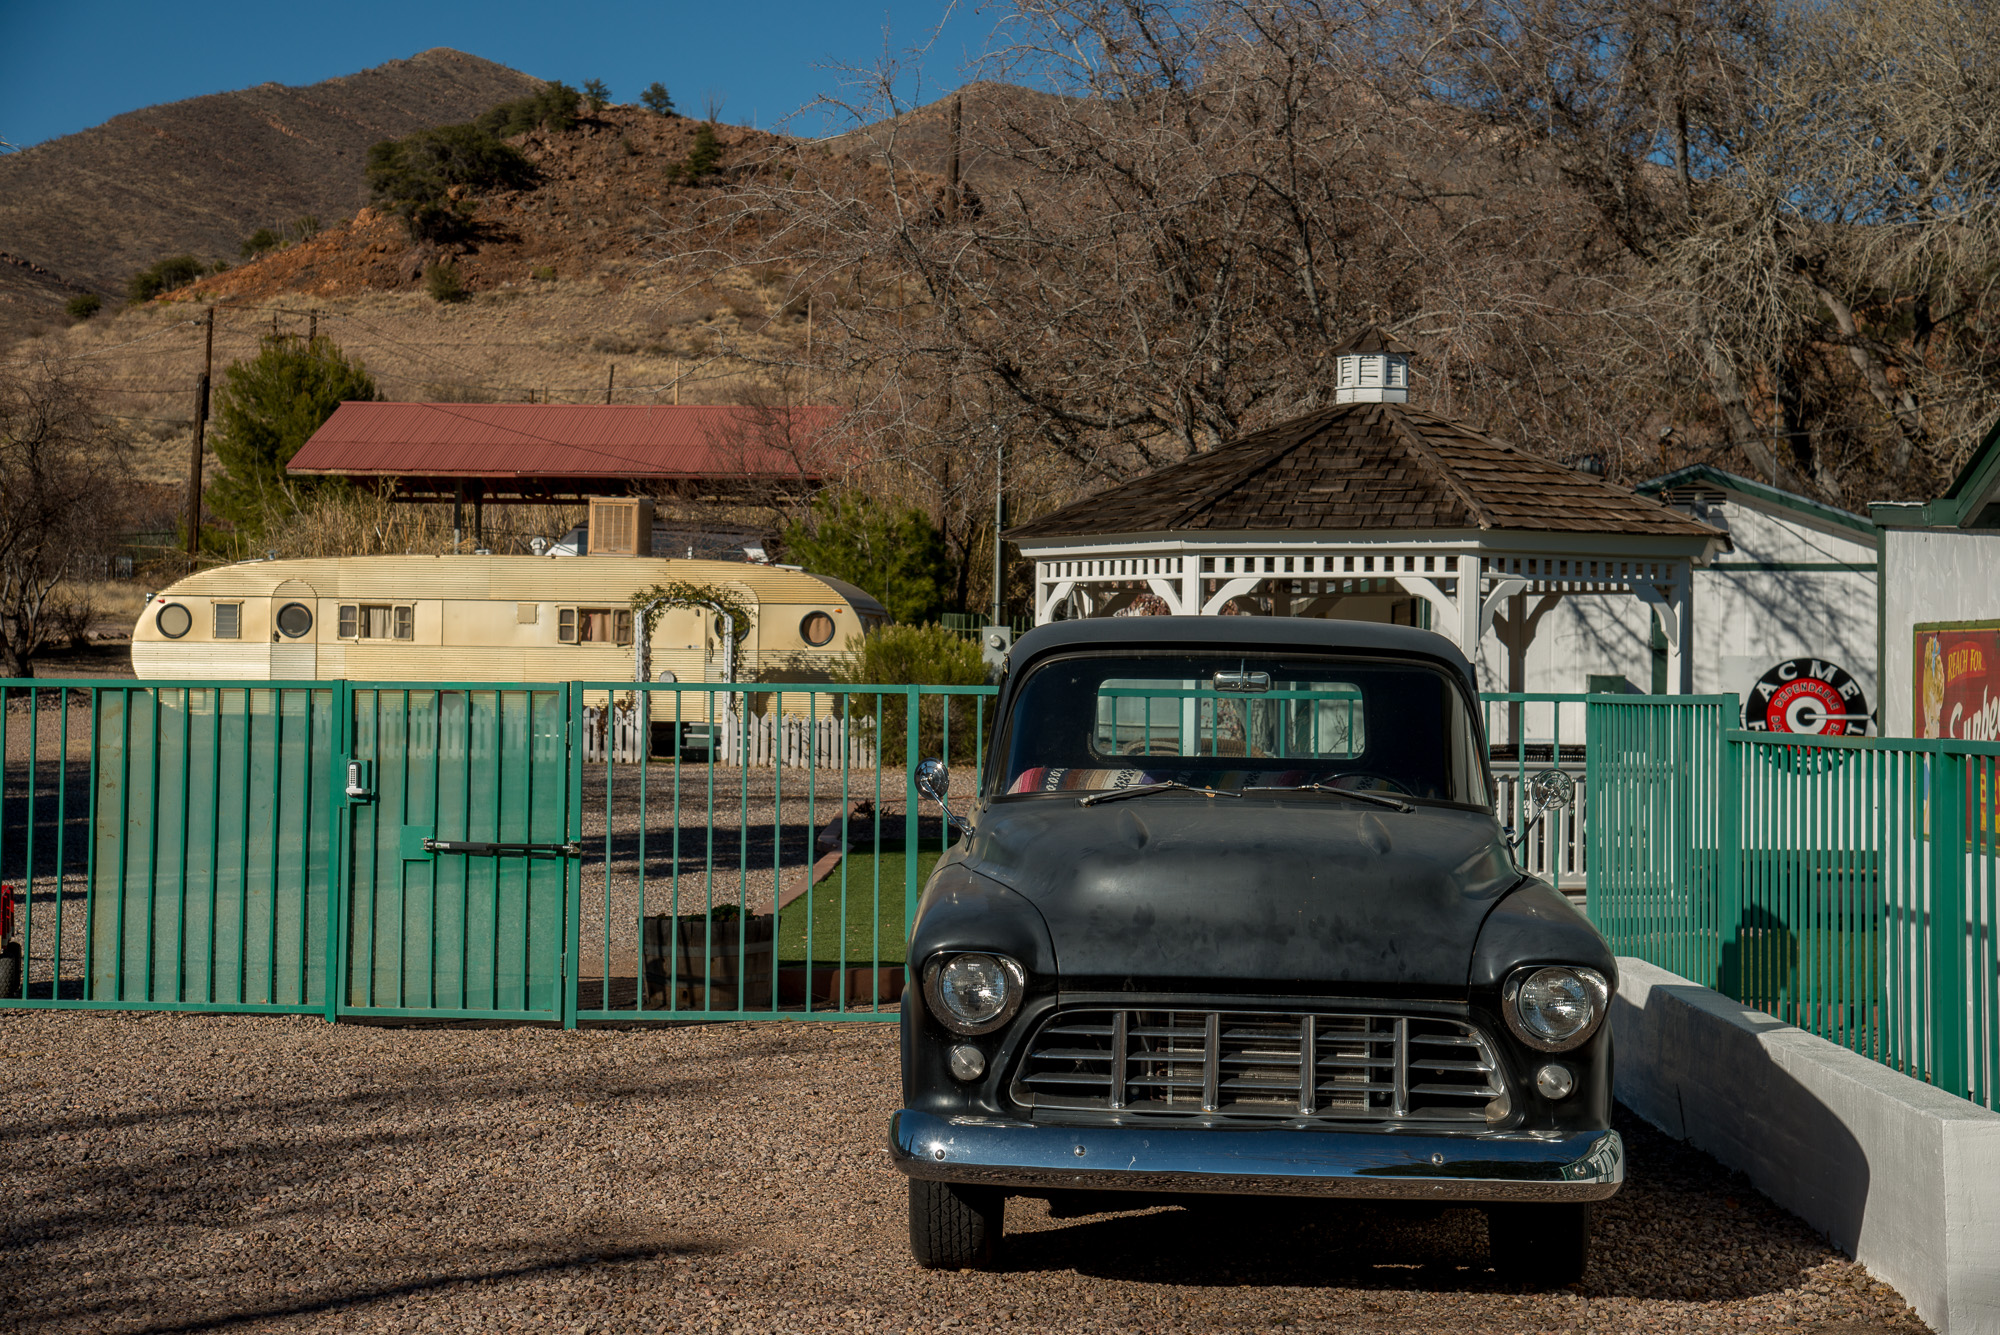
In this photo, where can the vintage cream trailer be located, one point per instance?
(488, 618)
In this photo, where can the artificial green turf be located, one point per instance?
(828, 925)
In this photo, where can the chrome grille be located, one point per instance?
(1259, 1064)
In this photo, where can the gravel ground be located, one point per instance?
(178, 1173)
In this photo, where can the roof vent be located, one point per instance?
(1372, 367)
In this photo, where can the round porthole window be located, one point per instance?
(294, 620)
(174, 621)
(816, 629)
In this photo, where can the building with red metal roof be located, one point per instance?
(534, 453)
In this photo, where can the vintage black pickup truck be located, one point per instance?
(1232, 912)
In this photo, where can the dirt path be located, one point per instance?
(176, 1173)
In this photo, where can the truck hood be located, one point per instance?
(1311, 893)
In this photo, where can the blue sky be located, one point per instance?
(66, 65)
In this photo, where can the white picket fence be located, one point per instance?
(789, 742)
(626, 734)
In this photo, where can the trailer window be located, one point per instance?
(229, 621)
(378, 621)
(593, 625)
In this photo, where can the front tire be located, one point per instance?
(954, 1227)
(1546, 1246)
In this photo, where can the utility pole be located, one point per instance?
(951, 163)
(200, 435)
(805, 394)
(609, 381)
(999, 522)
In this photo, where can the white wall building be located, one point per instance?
(1798, 581)
(1941, 588)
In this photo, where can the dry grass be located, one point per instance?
(556, 341)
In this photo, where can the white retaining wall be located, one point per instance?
(1903, 1177)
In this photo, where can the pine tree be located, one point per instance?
(265, 409)
(656, 99)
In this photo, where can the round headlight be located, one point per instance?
(973, 993)
(1555, 1007)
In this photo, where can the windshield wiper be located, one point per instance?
(1379, 799)
(1141, 790)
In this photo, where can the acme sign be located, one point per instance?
(1958, 681)
(1807, 695)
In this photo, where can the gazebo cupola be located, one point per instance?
(1371, 367)
(1371, 510)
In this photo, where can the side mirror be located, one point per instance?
(1551, 788)
(934, 782)
(1546, 788)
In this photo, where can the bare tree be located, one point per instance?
(62, 477)
(1159, 248)
(1812, 187)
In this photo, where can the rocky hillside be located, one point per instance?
(84, 212)
(592, 280)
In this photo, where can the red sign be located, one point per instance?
(1807, 695)
(1958, 683)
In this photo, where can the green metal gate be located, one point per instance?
(460, 851)
(233, 847)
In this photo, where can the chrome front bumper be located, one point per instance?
(1496, 1166)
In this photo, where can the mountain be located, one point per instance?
(86, 211)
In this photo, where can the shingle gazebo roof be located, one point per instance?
(1365, 466)
(1368, 498)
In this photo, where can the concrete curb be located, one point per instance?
(1903, 1177)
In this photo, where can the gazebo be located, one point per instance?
(1373, 510)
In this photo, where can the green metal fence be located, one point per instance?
(766, 858)
(447, 849)
(1847, 885)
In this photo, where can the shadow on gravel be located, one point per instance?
(225, 1165)
(363, 1297)
(1683, 1228)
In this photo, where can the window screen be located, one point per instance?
(1284, 720)
(229, 621)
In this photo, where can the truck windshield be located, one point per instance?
(1089, 723)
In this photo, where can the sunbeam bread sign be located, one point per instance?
(1807, 695)
(1958, 682)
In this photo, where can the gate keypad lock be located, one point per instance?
(358, 789)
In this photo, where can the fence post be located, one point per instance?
(343, 839)
(1729, 964)
(572, 932)
(910, 809)
(1948, 996)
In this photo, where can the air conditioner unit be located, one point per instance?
(620, 526)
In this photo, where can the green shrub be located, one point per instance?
(85, 306)
(554, 108)
(657, 100)
(596, 94)
(165, 276)
(445, 283)
(265, 408)
(702, 159)
(892, 551)
(258, 242)
(919, 656)
(413, 177)
(543, 274)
